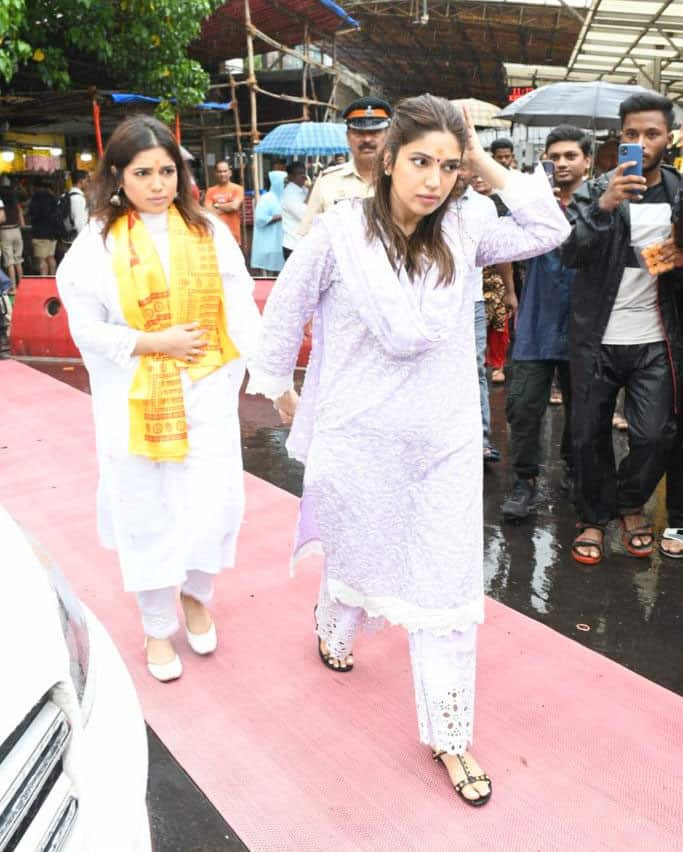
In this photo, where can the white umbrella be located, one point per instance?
(590, 105)
(483, 113)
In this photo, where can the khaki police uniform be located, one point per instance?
(341, 182)
(334, 184)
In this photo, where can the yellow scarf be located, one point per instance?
(158, 428)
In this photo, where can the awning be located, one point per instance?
(131, 97)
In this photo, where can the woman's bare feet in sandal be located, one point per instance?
(458, 768)
(338, 664)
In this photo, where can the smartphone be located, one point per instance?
(549, 169)
(629, 152)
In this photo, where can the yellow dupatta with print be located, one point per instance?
(158, 427)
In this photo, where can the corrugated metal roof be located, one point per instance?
(223, 34)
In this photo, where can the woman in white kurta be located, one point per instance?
(389, 422)
(173, 519)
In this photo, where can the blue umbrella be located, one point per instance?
(309, 137)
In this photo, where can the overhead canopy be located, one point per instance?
(223, 33)
(454, 49)
(620, 41)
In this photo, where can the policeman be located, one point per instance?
(367, 120)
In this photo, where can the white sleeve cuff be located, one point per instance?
(268, 385)
(521, 189)
(122, 352)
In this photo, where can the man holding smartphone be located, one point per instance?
(624, 333)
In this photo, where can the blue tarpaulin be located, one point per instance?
(309, 137)
(131, 97)
(337, 9)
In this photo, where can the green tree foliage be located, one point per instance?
(141, 43)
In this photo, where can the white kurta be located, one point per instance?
(163, 518)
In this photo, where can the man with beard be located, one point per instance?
(540, 346)
(623, 333)
(367, 120)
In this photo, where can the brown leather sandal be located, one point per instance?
(469, 779)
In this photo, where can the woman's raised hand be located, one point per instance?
(478, 161)
(473, 151)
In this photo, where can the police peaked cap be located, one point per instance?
(368, 114)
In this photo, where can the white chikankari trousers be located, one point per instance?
(443, 672)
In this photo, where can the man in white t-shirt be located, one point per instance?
(293, 206)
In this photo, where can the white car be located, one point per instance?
(73, 746)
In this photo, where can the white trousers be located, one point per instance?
(159, 609)
(443, 672)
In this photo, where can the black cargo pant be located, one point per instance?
(644, 371)
(526, 403)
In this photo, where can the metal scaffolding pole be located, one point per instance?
(251, 82)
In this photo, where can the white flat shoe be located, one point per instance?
(203, 643)
(165, 672)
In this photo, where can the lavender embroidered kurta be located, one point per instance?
(389, 422)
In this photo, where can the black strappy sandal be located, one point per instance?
(327, 658)
(469, 779)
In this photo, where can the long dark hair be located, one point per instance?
(135, 134)
(413, 118)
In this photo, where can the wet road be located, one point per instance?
(628, 609)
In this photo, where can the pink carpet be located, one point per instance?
(585, 755)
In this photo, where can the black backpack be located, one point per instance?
(64, 221)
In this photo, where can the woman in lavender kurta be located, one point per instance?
(389, 422)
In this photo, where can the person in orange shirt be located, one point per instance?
(225, 198)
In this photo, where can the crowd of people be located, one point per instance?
(596, 317)
(423, 262)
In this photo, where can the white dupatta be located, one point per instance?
(406, 318)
